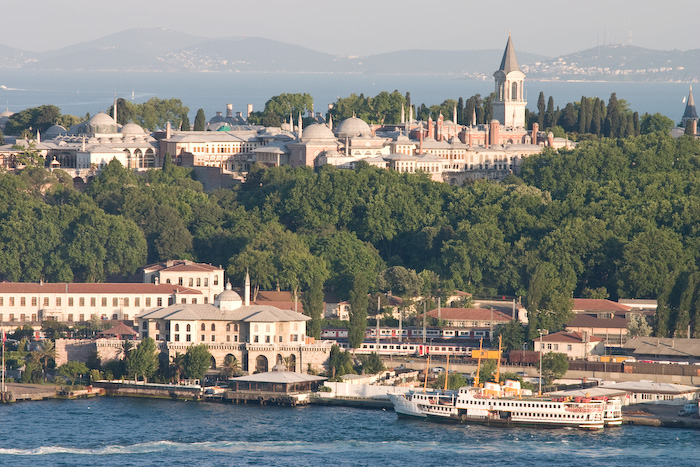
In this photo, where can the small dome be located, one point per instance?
(351, 127)
(317, 131)
(102, 119)
(131, 129)
(229, 295)
(54, 131)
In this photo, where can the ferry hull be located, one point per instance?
(513, 423)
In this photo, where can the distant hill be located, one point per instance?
(620, 62)
(159, 49)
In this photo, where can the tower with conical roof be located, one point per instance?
(690, 116)
(509, 104)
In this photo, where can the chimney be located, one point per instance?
(431, 128)
(494, 132)
(229, 110)
(249, 111)
(535, 130)
(439, 127)
(168, 130)
(550, 139)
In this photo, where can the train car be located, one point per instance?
(410, 349)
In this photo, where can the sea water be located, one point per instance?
(137, 432)
(79, 93)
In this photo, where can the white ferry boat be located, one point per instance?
(493, 405)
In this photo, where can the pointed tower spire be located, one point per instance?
(454, 114)
(509, 62)
(115, 107)
(330, 121)
(403, 114)
(690, 110)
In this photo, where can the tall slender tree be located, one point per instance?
(358, 311)
(200, 120)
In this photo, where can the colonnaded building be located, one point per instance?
(257, 336)
(441, 147)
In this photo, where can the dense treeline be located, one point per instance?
(613, 217)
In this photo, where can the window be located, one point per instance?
(235, 327)
(281, 338)
(206, 300)
(70, 316)
(115, 316)
(177, 327)
(81, 301)
(115, 301)
(93, 302)
(104, 301)
(194, 301)
(191, 282)
(157, 326)
(137, 301)
(179, 281)
(144, 325)
(213, 338)
(34, 301)
(188, 337)
(568, 347)
(58, 301)
(126, 302)
(22, 301)
(70, 301)
(183, 301)
(235, 338)
(204, 327)
(177, 336)
(199, 282)
(46, 301)
(213, 327)
(160, 301)
(167, 281)
(81, 316)
(148, 301)
(228, 327)
(189, 328)
(203, 338)
(228, 338)
(206, 282)
(255, 338)
(216, 279)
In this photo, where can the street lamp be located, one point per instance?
(540, 378)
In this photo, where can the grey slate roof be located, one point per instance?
(690, 110)
(509, 62)
(664, 347)
(279, 377)
(252, 313)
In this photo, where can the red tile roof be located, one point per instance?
(567, 337)
(598, 304)
(94, 288)
(469, 314)
(180, 265)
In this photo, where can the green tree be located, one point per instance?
(53, 329)
(339, 363)
(400, 281)
(487, 370)
(73, 371)
(143, 360)
(46, 353)
(655, 123)
(454, 381)
(313, 306)
(371, 364)
(185, 122)
(554, 365)
(199, 120)
(32, 373)
(358, 312)
(197, 361)
(512, 334)
(638, 326)
(541, 110)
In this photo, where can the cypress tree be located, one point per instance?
(636, 123)
(185, 122)
(549, 120)
(582, 115)
(541, 110)
(460, 111)
(358, 311)
(199, 120)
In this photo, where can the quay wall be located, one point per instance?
(136, 389)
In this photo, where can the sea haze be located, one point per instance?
(79, 93)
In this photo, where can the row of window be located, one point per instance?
(229, 338)
(192, 281)
(58, 301)
(11, 317)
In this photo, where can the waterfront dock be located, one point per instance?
(17, 392)
(660, 415)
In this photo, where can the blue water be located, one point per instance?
(78, 93)
(136, 432)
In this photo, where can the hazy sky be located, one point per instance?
(363, 27)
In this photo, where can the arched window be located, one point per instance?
(157, 326)
(514, 92)
(213, 327)
(228, 327)
(204, 327)
(188, 328)
(177, 327)
(235, 327)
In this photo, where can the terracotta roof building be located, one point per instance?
(574, 344)
(469, 317)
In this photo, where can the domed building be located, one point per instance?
(351, 127)
(314, 140)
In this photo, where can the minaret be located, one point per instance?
(690, 116)
(330, 121)
(454, 116)
(300, 126)
(115, 108)
(246, 291)
(509, 105)
(403, 114)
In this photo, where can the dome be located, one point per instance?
(317, 131)
(102, 119)
(228, 299)
(132, 129)
(55, 130)
(351, 127)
